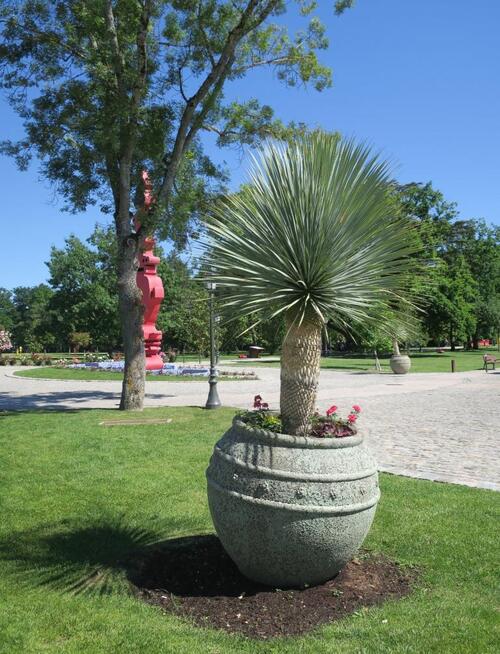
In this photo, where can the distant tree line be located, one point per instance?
(458, 290)
(457, 280)
(78, 309)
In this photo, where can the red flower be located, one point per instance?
(257, 400)
(264, 405)
(356, 408)
(352, 417)
(331, 410)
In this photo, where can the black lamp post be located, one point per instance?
(213, 401)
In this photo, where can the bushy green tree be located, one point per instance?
(85, 297)
(460, 266)
(183, 316)
(33, 328)
(7, 310)
(451, 307)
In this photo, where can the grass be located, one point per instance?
(76, 374)
(420, 362)
(77, 498)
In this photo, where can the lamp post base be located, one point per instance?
(213, 401)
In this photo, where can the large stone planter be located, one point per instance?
(400, 364)
(291, 510)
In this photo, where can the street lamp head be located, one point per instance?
(211, 286)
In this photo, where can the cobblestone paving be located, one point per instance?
(436, 426)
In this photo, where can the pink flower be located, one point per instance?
(356, 408)
(352, 417)
(331, 410)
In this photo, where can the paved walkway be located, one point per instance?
(439, 426)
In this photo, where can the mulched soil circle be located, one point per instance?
(194, 578)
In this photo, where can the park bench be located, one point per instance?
(489, 360)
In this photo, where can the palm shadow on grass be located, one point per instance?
(94, 558)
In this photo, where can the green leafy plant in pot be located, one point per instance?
(313, 236)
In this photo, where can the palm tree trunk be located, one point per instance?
(395, 347)
(300, 362)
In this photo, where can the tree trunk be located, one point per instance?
(452, 341)
(300, 364)
(131, 313)
(395, 347)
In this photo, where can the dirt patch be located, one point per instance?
(195, 578)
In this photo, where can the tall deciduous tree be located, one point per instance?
(109, 87)
(461, 264)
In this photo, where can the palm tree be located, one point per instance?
(314, 237)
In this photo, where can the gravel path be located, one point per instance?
(438, 426)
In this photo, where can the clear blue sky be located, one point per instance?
(418, 79)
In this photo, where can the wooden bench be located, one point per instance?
(489, 360)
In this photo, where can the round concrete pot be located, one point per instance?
(291, 510)
(400, 364)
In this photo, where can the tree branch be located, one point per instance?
(265, 62)
(190, 122)
(118, 63)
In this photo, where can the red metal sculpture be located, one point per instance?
(152, 289)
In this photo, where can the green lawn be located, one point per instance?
(103, 375)
(420, 362)
(77, 498)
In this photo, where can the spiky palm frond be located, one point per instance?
(313, 235)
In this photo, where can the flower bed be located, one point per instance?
(330, 425)
(169, 369)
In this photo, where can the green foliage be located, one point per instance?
(262, 419)
(127, 85)
(33, 318)
(184, 315)
(451, 308)
(460, 264)
(85, 297)
(313, 236)
(7, 310)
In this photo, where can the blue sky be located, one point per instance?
(418, 79)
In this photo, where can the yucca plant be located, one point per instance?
(312, 236)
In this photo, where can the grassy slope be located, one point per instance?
(424, 362)
(77, 496)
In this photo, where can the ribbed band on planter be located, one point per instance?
(291, 510)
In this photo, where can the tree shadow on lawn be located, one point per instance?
(62, 400)
(95, 558)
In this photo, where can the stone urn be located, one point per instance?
(291, 510)
(400, 364)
